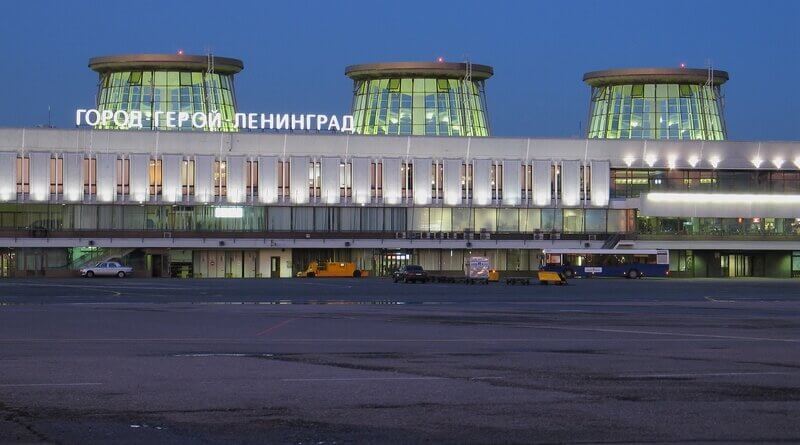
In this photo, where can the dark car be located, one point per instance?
(410, 274)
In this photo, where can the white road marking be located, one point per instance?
(354, 379)
(705, 374)
(638, 332)
(223, 355)
(714, 300)
(360, 340)
(15, 385)
(346, 286)
(88, 286)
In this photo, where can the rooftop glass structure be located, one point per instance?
(153, 83)
(419, 98)
(656, 103)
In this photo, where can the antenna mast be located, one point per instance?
(466, 90)
(210, 105)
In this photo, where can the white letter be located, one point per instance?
(251, 121)
(283, 122)
(124, 114)
(136, 119)
(308, 120)
(157, 119)
(297, 120)
(214, 120)
(321, 120)
(334, 124)
(89, 121)
(266, 123)
(171, 119)
(347, 124)
(182, 117)
(78, 113)
(106, 116)
(199, 120)
(240, 120)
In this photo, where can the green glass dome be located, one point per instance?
(656, 103)
(420, 98)
(164, 83)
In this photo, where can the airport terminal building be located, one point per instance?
(421, 181)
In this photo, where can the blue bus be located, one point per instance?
(628, 263)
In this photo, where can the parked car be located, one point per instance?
(107, 269)
(410, 274)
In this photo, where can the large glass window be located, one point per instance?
(154, 177)
(220, 178)
(306, 219)
(657, 111)
(632, 183)
(187, 177)
(443, 107)
(166, 91)
(123, 176)
(23, 174)
(57, 176)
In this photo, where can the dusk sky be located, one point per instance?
(295, 52)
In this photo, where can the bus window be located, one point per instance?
(607, 262)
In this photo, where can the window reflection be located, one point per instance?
(443, 107)
(178, 91)
(657, 111)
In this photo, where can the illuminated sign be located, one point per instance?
(723, 198)
(228, 212)
(180, 119)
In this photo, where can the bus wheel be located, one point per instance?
(357, 274)
(633, 273)
(569, 273)
(311, 275)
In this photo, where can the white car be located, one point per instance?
(107, 269)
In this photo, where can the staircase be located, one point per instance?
(98, 255)
(612, 241)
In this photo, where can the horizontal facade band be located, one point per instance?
(328, 180)
(329, 243)
(619, 153)
(721, 205)
(302, 243)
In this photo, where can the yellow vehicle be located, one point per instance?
(549, 277)
(494, 275)
(325, 269)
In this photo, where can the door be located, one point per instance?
(234, 264)
(275, 267)
(155, 266)
(6, 263)
(736, 265)
(250, 265)
(391, 261)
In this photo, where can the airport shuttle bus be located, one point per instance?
(628, 263)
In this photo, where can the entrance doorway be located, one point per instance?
(275, 267)
(736, 265)
(7, 263)
(391, 260)
(156, 265)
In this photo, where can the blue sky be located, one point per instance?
(295, 52)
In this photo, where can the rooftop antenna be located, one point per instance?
(210, 105)
(49, 118)
(465, 97)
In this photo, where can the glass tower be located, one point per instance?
(656, 103)
(426, 99)
(164, 83)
